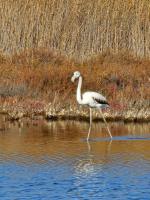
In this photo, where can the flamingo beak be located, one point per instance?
(73, 79)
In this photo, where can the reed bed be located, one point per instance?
(79, 29)
(43, 41)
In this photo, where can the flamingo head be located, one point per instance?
(76, 75)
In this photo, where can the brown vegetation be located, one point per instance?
(43, 41)
(40, 84)
(76, 28)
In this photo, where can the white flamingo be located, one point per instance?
(91, 99)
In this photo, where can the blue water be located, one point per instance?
(39, 165)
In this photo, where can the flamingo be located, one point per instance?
(92, 100)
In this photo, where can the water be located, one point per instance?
(52, 160)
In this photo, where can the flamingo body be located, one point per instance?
(94, 100)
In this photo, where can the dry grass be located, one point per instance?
(46, 40)
(36, 84)
(78, 29)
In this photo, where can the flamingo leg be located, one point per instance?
(106, 124)
(90, 125)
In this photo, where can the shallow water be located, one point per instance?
(52, 160)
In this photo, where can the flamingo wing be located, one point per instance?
(100, 101)
(94, 98)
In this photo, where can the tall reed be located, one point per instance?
(76, 28)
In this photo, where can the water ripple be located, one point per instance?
(42, 164)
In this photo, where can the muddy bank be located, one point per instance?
(49, 112)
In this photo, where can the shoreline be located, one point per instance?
(76, 114)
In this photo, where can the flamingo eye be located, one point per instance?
(76, 74)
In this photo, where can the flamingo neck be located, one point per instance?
(79, 99)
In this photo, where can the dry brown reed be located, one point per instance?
(76, 28)
(46, 40)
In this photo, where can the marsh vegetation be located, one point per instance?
(43, 42)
